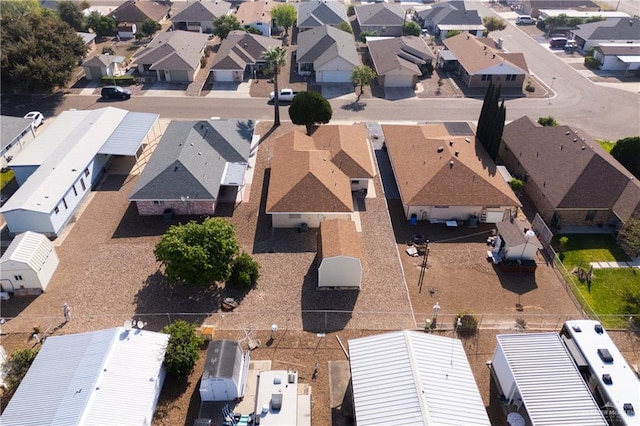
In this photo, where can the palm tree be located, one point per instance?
(276, 58)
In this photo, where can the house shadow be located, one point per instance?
(343, 414)
(133, 225)
(13, 307)
(112, 183)
(325, 311)
(516, 282)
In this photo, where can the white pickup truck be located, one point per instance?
(285, 95)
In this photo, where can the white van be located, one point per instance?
(525, 20)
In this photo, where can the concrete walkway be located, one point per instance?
(607, 265)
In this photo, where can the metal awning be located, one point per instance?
(130, 134)
(447, 55)
(629, 59)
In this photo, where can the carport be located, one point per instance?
(134, 133)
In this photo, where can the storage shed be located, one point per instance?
(28, 264)
(516, 241)
(225, 372)
(339, 255)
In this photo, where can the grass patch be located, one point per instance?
(605, 144)
(612, 291)
(6, 177)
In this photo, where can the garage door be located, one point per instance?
(335, 77)
(495, 216)
(179, 75)
(398, 81)
(222, 75)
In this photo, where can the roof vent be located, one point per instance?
(583, 148)
(575, 139)
(451, 164)
(440, 149)
(467, 140)
(577, 329)
(568, 133)
(606, 379)
(277, 380)
(493, 56)
(276, 401)
(457, 153)
(628, 408)
(450, 143)
(605, 355)
(598, 328)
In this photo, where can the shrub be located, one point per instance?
(365, 34)
(245, 271)
(121, 80)
(516, 184)
(468, 323)
(203, 62)
(591, 62)
(108, 50)
(17, 366)
(351, 10)
(548, 121)
(529, 88)
(183, 348)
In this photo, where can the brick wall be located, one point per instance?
(476, 81)
(199, 207)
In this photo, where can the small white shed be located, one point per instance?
(28, 264)
(516, 241)
(225, 372)
(339, 255)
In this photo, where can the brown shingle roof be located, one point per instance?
(390, 54)
(140, 10)
(429, 173)
(349, 149)
(477, 56)
(570, 168)
(241, 48)
(306, 180)
(338, 237)
(255, 11)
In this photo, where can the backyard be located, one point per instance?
(613, 293)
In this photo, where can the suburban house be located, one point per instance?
(399, 61)
(15, 134)
(256, 14)
(413, 378)
(478, 63)
(452, 16)
(328, 53)
(614, 30)
(240, 56)
(515, 241)
(138, 11)
(196, 165)
(317, 13)
(199, 16)
(339, 255)
(111, 376)
(446, 178)
(89, 40)
(104, 65)
(618, 57)
(59, 168)
(533, 7)
(532, 369)
(385, 19)
(563, 170)
(313, 178)
(28, 265)
(172, 56)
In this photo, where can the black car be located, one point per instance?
(115, 92)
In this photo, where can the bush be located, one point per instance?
(365, 34)
(108, 50)
(120, 80)
(245, 271)
(203, 62)
(183, 348)
(351, 10)
(591, 62)
(17, 366)
(529, 88)
(468, 324)
(516, 184)
(548, 121)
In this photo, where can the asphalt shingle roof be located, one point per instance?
(140, 10)
(320, 45)
(611, 29)
(201, 11)
(391, 15)
(478, 57)
(240, 49)
(317, 13)
(408, 52)
(174, 50)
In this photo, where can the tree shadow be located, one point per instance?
(19, 105)
(355, 106)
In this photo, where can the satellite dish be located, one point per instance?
(140, 324)
(127, 325)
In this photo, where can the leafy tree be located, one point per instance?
(574, 22)
(276, 58)
(149, 27)
(411, 29)
(310, 108)
(627, 152)
(595, 19)
(452, 33)
(70, 13)
(362, 76)
(346, 27)
(284, 15)
(224, 24)
(198, 253)
(629, 236)
(491, 121)
(84, 4)
(183, 348)
(548, 121)
(102, 25)
(253, 30)
(17, 366)
(365, 34)
(494, 23)
(351, 10)
(553, 22)
(516, 185)
(245, 271)
(38, 50)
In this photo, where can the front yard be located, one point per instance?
(614, 293)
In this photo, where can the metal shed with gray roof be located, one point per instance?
(225, 371)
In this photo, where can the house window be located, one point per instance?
(158, 202)
(18, 277)
(56, 210)
(486, 77)
(295, 216)
(64, 202)
(355, 182)
(511, 77)
(86, 172)
(591, 214)
(84, 188)
(74, 190)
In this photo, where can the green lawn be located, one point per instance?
(610, 288)
(5, 178)
(605, 144)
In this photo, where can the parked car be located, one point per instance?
(115, 92)
(525, 20)
(285, 95)
(558, 42)
(36, 119)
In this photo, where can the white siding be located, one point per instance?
(32, 257)
(294, 220)
(340, 271)
(223, 76)
(443, 213)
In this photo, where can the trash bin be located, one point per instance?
(167, 214)
(304, 227)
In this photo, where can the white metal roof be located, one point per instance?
(276, 382)
(129, 134)
(65, 148)
(30, 248)
(107, 377)
(572, 13)
(411, 378)
(548, 380)
(629, 59)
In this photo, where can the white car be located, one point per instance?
(36, 119)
